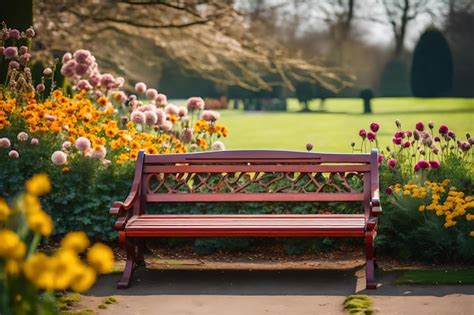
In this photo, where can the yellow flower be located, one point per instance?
(101, 258)
(471, 233)
(36, 263)
(65, 268)
(40, 222)
(77, 241)
(13, 267)
(422, 208)
(11, 246)
(84, 279)
(4, 210)
(38, 185)
(469, 217)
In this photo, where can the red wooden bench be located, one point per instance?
(249, 176)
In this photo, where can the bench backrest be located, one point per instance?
(257, 176)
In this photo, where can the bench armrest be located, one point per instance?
(375, 207)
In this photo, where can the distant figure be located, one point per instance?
(367, 96)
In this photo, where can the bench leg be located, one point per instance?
(141, 248)
(370, 260)
(130, 265)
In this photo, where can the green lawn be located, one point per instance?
(459, 276)
(333, 130)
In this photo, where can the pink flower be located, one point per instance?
(13, 154)
(397, 141)
(40, 87)
(82, 55)
(106, 163)
(140, 87)
(217, 146)
(195, 103)
(161, 100)
(182, 111)
(380, 158)
(14, 64)
(434, 164)
(83, 85)
(161, 116)
(443, 129)
(151, 118)
(151, 94)
(4, 143)
(400, 134)
(120, 97)
(171, 109)
(23, 50)
(187, 135)
(119, 82)
(392, 163)
(371, 136)
(59, 158)
(14, 34)
(34, 141)
(406, 144)
(409, 133)
(99, 152)
(48, 71)
(83, 144)
(10, 52)
(66, 57)
(30, 32)
(66, 145)
(210, 115)
(107, 80)
(374, 127)
(69, 68)
(420, 126)
(138, 117)
(416, 168)
(363, 133)
(22, 136)
(166, 125)
(94, 79)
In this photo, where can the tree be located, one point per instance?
(401, 12)
(432, 66)
(207, 38)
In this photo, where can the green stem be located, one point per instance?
(34, 244)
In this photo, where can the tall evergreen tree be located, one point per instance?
(432, 66)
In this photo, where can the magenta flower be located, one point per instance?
(420, 126)
(380, 158)
(406, 144)
(140, 87)
(363, 133)
(195, 103)
(409, 133)
(392, 163)
(422, 164)
(13, 154)
(434, 164)
(452, 135)
(59, 158)
(389, 190)
(465, 146)
(309, 146)
(416, 168)
(400, 134)
(10, 52)
(397, 141)
(374, 127)
(437, 139)
(371, 136)
(443, 129)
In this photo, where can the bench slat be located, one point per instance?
(254, 168)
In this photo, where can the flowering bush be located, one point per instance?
(29, 278)
(87, 136)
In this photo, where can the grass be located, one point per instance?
(456, 276)
(334, 129)
(358, 304)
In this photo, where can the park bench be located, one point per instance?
(249, 176)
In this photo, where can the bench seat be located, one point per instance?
(271, 225)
